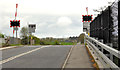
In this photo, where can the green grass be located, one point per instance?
(60, 43)
(14, 44)
(49, 43)
(67, 43)
(36, 44)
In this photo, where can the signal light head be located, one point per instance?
(14, 23)
(87, 18)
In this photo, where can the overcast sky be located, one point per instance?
(54, 18)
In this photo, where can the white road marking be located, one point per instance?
(7, 47)
(14, 57)
(68, 56)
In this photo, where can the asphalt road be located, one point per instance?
(46, 57)
(15, 51)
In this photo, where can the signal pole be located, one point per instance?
(88, 29)
(86, 22)
(15, 23)
(13, 31)
(87, 10)
(15, 19)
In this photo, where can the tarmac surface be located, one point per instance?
(46, 57)
(50, 57)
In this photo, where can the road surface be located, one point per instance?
(35, 57)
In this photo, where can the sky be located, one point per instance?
(53, 18)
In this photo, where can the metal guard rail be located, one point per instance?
(101, 55)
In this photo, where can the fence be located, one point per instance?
(2, 40)
(105, 25)
(105, 59)
(14, 40)
(11, 41)
(105, 28)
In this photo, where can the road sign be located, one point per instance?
(15, 28)
(32, 26)
(84, 29)
(86, 26)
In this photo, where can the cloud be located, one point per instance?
(64, 21)
(57, 26)
(56, 18)
(47, 25)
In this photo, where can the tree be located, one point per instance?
(24, 40)
(42, 42)
(56, 42)
(36, 39)
(24, 33)
(81, 37)
(1, 35)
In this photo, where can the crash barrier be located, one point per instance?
(99, 48)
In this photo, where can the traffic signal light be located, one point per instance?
(32, 28)
(87, 18)
(14, 23)
(32, 25)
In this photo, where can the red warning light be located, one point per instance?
(87, 18)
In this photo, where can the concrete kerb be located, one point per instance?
(96, 62)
